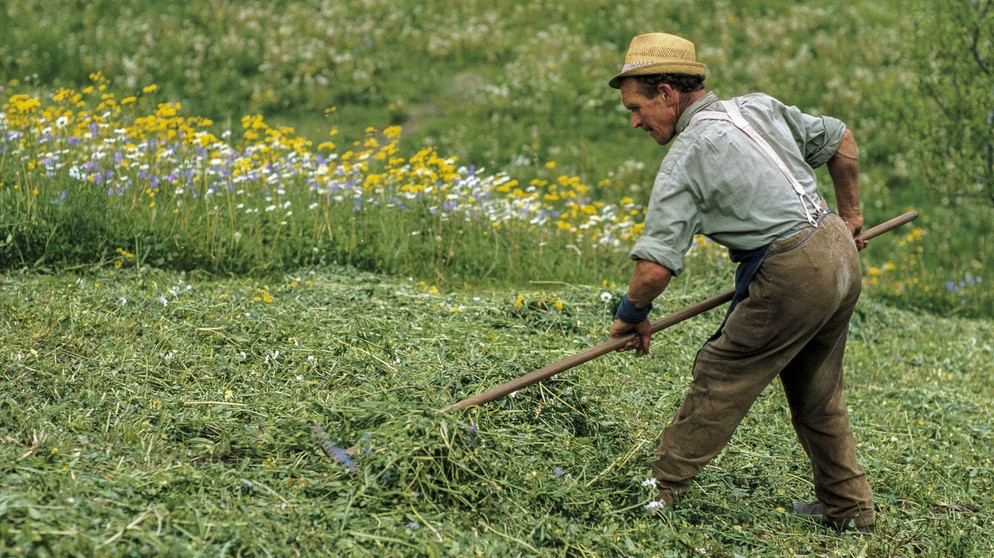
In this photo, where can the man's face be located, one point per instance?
(656, 115)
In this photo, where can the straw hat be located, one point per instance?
(658, 53)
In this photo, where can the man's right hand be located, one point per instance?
(640, 340)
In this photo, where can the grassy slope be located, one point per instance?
(151, 413)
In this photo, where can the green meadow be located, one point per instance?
(250, 249)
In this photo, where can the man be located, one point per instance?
(741, 173)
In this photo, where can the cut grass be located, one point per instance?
(152, 413)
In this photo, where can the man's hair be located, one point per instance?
(684, 83)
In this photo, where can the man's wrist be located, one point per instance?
(630, 314)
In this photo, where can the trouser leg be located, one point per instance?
(821, 421)
(720, 395)
(813, 384)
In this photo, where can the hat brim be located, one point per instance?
(688, 68)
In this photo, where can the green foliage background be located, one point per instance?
(513, 86)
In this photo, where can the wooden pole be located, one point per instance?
(618, 342)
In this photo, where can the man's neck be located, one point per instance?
(687, 99)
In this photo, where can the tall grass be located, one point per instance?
(137, 187)
(505, 91)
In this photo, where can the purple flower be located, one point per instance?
(558, 472)
(472, 429)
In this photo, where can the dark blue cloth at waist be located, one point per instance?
(749, 262)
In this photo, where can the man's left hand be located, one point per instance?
(855, 224)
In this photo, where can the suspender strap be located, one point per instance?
(734, 115)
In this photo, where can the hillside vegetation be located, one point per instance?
(249, 249)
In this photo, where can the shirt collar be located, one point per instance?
(697, 106)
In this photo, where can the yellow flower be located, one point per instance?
(520, 301)
(150, 88)
(23, 103)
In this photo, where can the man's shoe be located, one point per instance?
(816, 512)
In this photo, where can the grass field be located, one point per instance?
(154, 413)
(249, 249)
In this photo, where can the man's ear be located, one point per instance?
(666, 91)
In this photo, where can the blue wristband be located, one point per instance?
(628, 313)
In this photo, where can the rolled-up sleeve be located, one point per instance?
(818, 137)
(670, 224)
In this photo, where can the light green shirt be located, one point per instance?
(716, 181)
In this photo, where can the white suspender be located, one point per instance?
(734, 116)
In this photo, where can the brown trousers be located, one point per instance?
(793, 324)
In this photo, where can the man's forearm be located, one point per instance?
(649, 280)
(844, 170)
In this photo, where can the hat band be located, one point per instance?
(671, 65)
(636, 65)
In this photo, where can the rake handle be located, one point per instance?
(618, 342)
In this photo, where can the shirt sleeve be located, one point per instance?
(671, 220)
(818, 137)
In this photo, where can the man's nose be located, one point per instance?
(636, 121)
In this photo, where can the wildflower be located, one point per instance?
(606, 297)
(655, 505)
(649, 482)
(558, 472)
